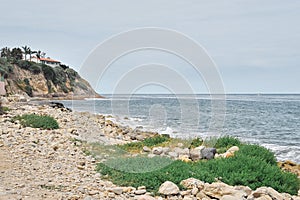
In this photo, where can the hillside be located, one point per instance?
(40, 80)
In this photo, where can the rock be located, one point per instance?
(247, 190)
(173, 155)
(195, 154)
(80, 167)
(116, 190)
(264, 197)
(208, 153)
(219, 189)
(194, 191)
(190, 183)
(166, 150)
(140, 137)
(263, 191)
(228, 197)
(128, 189)
(180, 145)
(81, 189)
(139, 192)
(150, 155)
(290, 167)
(168, 188)
(157, 150)
(142, 188)
(180, 151)
(202, 196)
(227, 154)
(146, 149)
(93, 192)
(88, 198)
(111, 195)
(233, 149)
(185, 192)
(184, 158)
(188, 198)
(146, 197)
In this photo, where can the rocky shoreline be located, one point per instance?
(52, 164)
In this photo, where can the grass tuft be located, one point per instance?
(37, 121)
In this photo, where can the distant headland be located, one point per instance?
(30, 73)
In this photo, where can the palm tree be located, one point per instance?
(39, 54)
(30, 53)
(26, 51)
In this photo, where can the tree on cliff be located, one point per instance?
(5, 52)
(39, 54)
(26, 51)
(17, 53)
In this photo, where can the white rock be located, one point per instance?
(157, 150)
(146, 149)
(233, 149)
(168, 188)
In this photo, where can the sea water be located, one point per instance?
(271, 120)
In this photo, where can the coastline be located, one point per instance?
(52, 162)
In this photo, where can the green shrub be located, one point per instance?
(24, 64)
(196, 142)
(72, 74)
(153, 141)
(152, 178)
(37, 121)
(26, 81)
(28, 88)
(257, 152)
(149, 142)
(252, 166)
(60, 76)
(5, 67)
(48, 72)
(35, 69)
(227, 142)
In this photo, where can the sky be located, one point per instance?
(255, 44)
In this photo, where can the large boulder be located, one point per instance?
(218, 190)
(208, 153)
(266, 191)
(168, 188)
(195, 154)
(191, 183)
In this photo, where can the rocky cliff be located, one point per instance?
(40, 80)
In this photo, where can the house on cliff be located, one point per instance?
(47, 61)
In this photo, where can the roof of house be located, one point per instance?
(49, 60)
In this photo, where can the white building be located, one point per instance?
(50, 62)
(47, 61)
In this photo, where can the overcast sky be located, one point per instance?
(255, 43)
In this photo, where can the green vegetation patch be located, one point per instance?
(253, 166)
(149, 142)
(227, 142)
(37, 121)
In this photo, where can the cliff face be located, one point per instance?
(39, 80)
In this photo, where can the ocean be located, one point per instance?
(270, 120)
